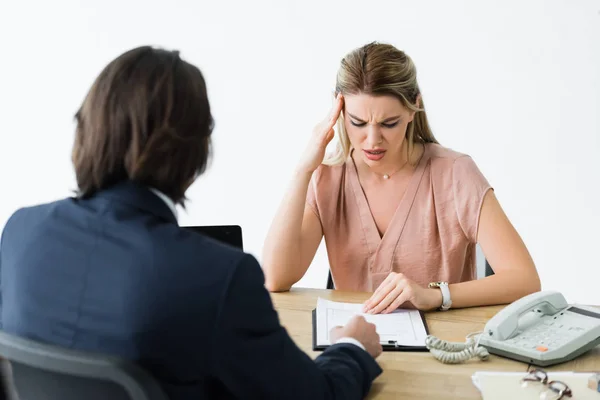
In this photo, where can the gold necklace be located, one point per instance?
(387, 176)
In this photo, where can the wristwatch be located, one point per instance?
(446, 300)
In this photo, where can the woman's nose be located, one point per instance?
(373, 136)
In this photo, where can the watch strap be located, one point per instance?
(446, 300)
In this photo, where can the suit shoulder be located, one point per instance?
(223, 260)
(25, 214)
(219, 257)
(214, 245)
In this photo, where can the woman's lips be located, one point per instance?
(374, 155)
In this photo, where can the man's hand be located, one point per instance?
(358, 328)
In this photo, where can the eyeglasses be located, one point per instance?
(552, 390)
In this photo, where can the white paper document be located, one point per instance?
(404, 327)
(507, 385)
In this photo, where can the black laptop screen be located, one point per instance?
(229, 234)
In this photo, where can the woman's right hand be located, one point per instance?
(322, 135)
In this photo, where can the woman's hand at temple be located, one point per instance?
(397, 290)
(322, 134)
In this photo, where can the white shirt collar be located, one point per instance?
(166, 199)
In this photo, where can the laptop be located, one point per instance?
(228, 234)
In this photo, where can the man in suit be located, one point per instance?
(110, 271)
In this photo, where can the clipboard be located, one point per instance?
(393, 346)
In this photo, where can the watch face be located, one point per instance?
(437, 284)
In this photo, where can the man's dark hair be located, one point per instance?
(145, 119)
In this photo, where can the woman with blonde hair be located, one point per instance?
(401, 215)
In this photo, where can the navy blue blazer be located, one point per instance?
(115, 274)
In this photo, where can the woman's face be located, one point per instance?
(376, 127)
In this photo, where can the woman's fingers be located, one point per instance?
(401, 299)
(321, 136)
(334, 114)
(383, 286)
(379, 295)
(387, 300)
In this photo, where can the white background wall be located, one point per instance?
(515, 84)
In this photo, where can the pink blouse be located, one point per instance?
(431, 237)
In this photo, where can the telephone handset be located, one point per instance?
(505, 324)
(542, 329)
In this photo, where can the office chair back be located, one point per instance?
(330, 284)
(46, 372)
(488, 269)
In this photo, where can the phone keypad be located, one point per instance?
(545, 336)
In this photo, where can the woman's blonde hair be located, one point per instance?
(381, 69)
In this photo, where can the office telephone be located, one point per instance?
(542, 329)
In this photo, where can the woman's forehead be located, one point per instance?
(367, 105)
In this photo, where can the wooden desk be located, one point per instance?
(415, 375)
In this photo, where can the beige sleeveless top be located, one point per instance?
(431, 237)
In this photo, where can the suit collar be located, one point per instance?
(142, 197)
(166, 199)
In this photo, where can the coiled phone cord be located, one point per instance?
(454, 352)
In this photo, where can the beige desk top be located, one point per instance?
(415, 375)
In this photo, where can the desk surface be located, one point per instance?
(415, 374)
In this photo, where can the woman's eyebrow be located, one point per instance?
(356, 118)
(390, 119)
